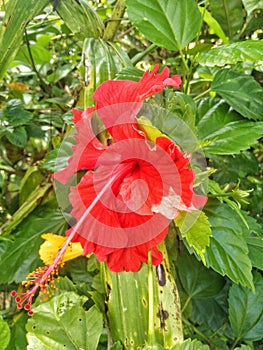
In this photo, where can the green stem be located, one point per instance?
(137, 58)
(151, 333)
(186, 304)
(115, 20)
(202, 335)
(193, 60)
(185, 70)
(42, 83)
(202, 94)
(234, 344)
(245, 26)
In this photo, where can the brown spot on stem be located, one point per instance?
(161, 275)
(163, 316)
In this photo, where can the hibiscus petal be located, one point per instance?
(101, 231)
(130, 259)
(125, 96)
(185, 188)
(109, 222)
(152, 82)
(86, 151)
(124, 206)
(119, 91)
(124, 259)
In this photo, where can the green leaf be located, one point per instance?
(18, 14)
(241, 92)
(39, 53)
(189, 344)
(20, 257)
(228, 140)
(130, 73)
(244, 347)
(228, 14)
(195, 228)
(254, 227)
(4, 334)
(77, 270)
(222, 130)
(253, 23)
(32, 178)
(254, 239)
(34, 130)
(17, 136)
(14, 113)
(116, 346)
(60, 73)
(228, 251)
(81, 18)
(210, 312)
(57, 159)
(18, 333)
(172, 125)
(245, 313)
(103, 61)
(26, 208)
(62, 323)
(197, 280)
(183, 106)
(213, 25)
(232, 168)
(243, 51)
(255, 246)
(252, 5)
(168, 23)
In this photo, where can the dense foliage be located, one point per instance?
(52, 58)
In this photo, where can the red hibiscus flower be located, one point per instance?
(132, 187)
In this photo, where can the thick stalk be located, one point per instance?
(143, 308)
(115, 20)
(151, 333)
(168, 308)
(127, 306)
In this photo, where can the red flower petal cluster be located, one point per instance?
(132, 187)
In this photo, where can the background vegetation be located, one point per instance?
(53, 55)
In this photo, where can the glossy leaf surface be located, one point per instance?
(244, 301)
(244, 51)
(63, 323)
(223, 131)
(168, 23)
(241, 92)
(228, 251)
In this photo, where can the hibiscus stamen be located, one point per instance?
(43, 277)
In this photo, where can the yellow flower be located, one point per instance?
(52, 245)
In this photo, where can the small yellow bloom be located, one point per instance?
(52, 245)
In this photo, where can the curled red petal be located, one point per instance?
(152, 82)
(120, 91)
(125, 96)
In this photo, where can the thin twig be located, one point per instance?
(43, 85)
